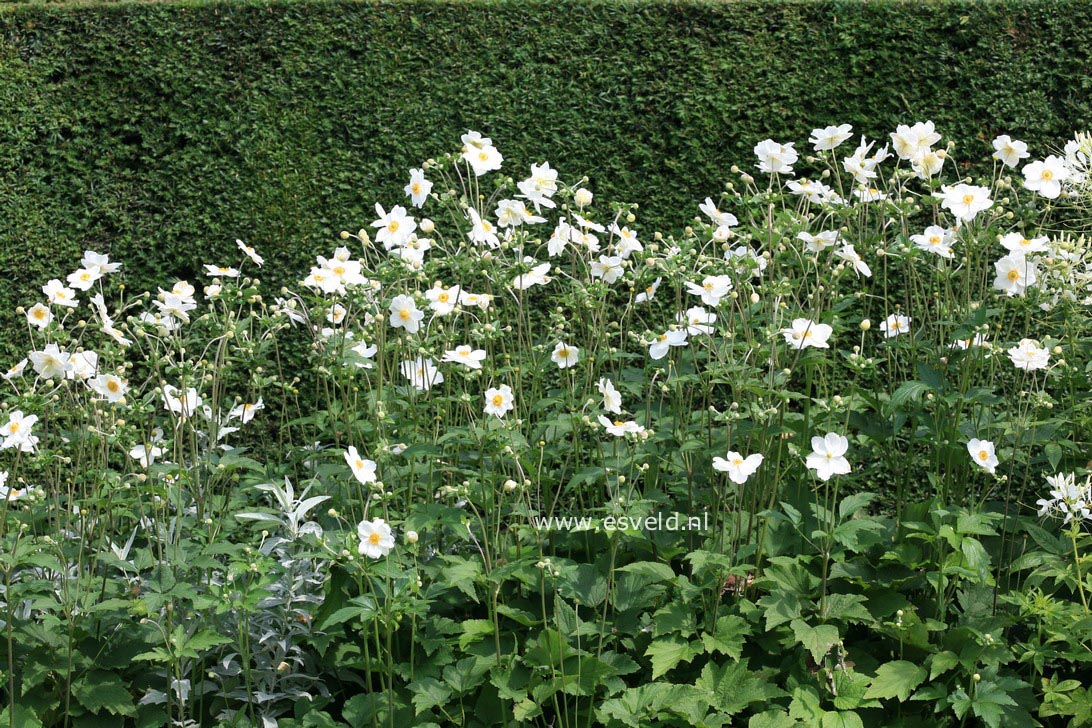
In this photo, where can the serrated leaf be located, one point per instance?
(896, 680)
(817, 640)
(668, 652)
(779, 608)
(428, 693)
(728, 637)
(100, 690)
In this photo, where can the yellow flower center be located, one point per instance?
(1014, 275)
(393, 226)
(737, 461)
(39, 313)
(498, 400)
(968, 199)
(1047, 175)
(483, 157)
(443, 298)
(934, 240)
(563, 353)
(359, 464)
(404, 314)
(339, 270)
(415, 188)
(13, 427)
(983, 455)
(374, 539)
(112, 385)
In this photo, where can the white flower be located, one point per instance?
(697, 321)
(983, 455)
(220, 271)
(964, 344)
(862, 167)
(712, 289)
(499, 400)
(582, 197)
(1029, 355)
(98, 263)
(443, 300)
(626, 242)
(1046, 177)
(1009, 150)
(112, 387)
(673, 337)
(609, 268)
(1020, 245)
(618, 428)
(481, 300)
(828, 456)
(363, 469)
(513, 213)
(184, 405)
(965, 201)
(739, 468)
(774, 158)
(482, 231)
(895, 324)
(83, 278)
(82, 365)
(869, 194)
(422, 373)
(59, 294)
(612, 400)
(418, 188)
(540, 186)
(145, 454)
(1015, 274)
(376, 539)
(51, 362)
(818, 242)
(337, 314)
(826, 139)
(720, 219)
(247, 411)
(564, 355)
(911, 142)
(537, 276)
(804, 333)
(18, 432)
(405, 315)
(649, 293)
(249, 252)
(1067, 498)
(15, 371)
(39, 316)
(929, 164)
(936, 240)
(465, 355)
(365, 352)
(480, 154)
(850, 254)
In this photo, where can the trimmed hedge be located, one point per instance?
(161, 132)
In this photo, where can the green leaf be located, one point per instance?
(428, 693)
(817, 640)
(100, 690)
(462, 574)
(896, 680)
(780, 607)
(771, 719)
(731, 688)
(669, 652)
(728, 638)
(988, 703)
(651, 570)
(853, 503)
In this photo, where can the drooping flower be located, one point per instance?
(720, 219)
(649, 293)
(59, 294)
(51, 362)
(912, 142)
(804, 333)
(110, 386)
(1019, 245)
(499, 400)
(376, 539)
(422, 373)
(612, 400)
(246, 411)
(1009, 151)
(982, 453)
(145, 454)
(608, 267)
(98, 263)
(540, 186)
(774, 158)
(249, 252)
(849, 253)
(182, 404)
(672, 337)
(362, 468)
(828, 456)
(619, 428)
(220, 271)
(482, 231)
(738, 467)
(83, 278)
(697, 321)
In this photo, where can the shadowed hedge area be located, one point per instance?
(159, 133)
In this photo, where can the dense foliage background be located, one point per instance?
(161, 132)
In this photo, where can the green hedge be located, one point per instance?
(161, 132)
